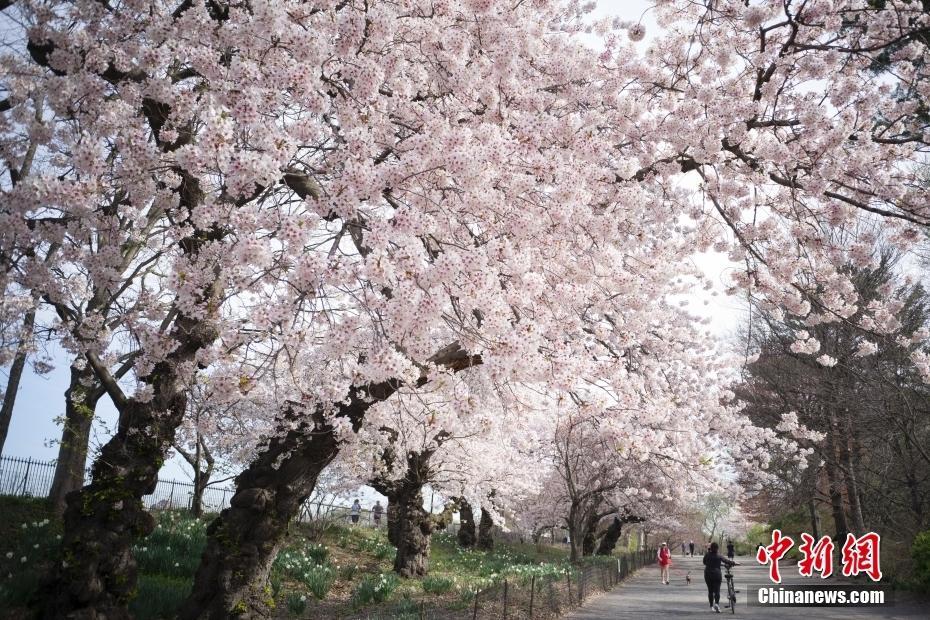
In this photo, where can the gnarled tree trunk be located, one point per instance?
(410, 526)
(103, 519)
(466, 534)
(81, 399)
(610, 538)
(589, 541)
(485, 531)
(244, 540)
(412, 534)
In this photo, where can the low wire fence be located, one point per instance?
(531, 596)
(550, 596)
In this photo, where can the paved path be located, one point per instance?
(644, 597)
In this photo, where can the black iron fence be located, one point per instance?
(28, 477)
(33, 478)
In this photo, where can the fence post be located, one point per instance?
(171, 497)
(568, 579)
(532, 594)
(584, 578)
(474, 614)
(26, 475)
(505, 599)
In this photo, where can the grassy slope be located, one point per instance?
(345, 573)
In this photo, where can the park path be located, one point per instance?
(642, 596)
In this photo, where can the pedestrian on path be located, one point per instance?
(355, 511)
(376, 512)
(713, 576)
(664, 556)
(683, 552)
(731, 550)
(691, 547)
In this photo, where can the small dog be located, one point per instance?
(688, 579)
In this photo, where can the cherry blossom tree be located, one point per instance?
(316, 206)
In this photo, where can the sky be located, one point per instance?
(34, 430)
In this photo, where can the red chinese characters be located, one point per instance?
(817, 557)
(774, 552)
(860, 555)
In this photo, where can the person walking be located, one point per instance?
(376, 512)
(691, 547)
(683, 549)
(731, 549)
(355, 511)
(713, 576)
(664, 556)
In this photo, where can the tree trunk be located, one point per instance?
(104, 519)
(852, 487)
(81, 399)
(466, 534)
(15, 376)
(412, 531)
(611, 536)
(200, 484)
(815, 522)
(244, 540)
(589, 540)
(410, 526)
(836, 503)
(485, 534)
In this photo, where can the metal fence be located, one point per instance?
(530, 598)
(33, 478)
(550, 597)
(30, 477)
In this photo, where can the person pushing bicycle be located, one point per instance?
(713, 577)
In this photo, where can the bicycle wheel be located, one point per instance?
(731, 593)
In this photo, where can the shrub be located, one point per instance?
(296, 603)
(920, 551)
(318, 553)
(379, 548)
(319, 579)
(437, 585)
(347, 572)
(374, 589)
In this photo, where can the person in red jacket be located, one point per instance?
(665, 560)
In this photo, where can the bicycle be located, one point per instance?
(731, 591)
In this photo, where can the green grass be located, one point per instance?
(374, 589)
(29, 539)
(347, 571)
(437, 585)
(159, 596)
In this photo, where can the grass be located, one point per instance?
(346, 573)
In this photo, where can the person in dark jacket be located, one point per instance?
(731, 550)
(713, 575)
